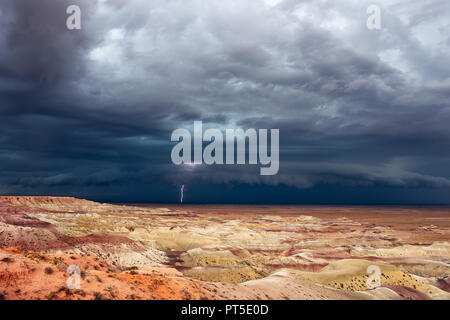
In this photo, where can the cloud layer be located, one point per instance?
(90, 112)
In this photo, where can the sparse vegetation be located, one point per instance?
(98, 296)
(51, 295)
(110, 290)
(80, 292)
(48, 270)
(34, 255)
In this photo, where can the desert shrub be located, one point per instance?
(98, 296)
(110, 290)
(48, 270)
(51, 295)
(80, 292)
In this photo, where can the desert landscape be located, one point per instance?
(220, 252)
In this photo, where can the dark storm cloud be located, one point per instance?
(36, 46)
(90, 111)
(429, 11)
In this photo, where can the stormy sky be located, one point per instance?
(363, 114)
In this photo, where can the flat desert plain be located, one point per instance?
(69, 248)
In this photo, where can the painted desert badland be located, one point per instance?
(221, 252)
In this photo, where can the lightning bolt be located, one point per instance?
(182, 193)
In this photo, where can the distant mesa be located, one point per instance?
(36, 200)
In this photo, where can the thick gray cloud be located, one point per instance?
(90, 111)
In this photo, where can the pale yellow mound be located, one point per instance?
(351, 275)
(205, 258)
(229, 275)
